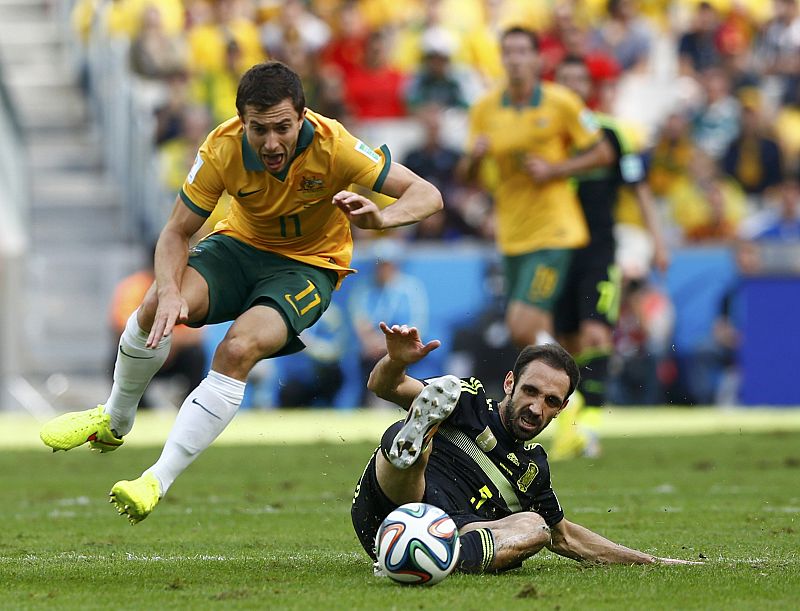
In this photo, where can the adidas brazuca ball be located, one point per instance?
(417, 544)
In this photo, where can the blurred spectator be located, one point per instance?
(625, 35)
(387, 295)
(436, 82)
(787, 128)
(779, 48)
(713, 373)
(314, 376)
(406, 48)
(706, 205)
(784, 225)
(754, 159)
(375, 90)
(670, 157)
(155, 54)
(346, 48)
(214, 26)
(436, 163)
(323, 84)
(295, 25)
(169, 115)
(186, 363)
(639, 366)
(716, 124)
(697, 48)
(178, 153)
(479, 45)
(216, 89)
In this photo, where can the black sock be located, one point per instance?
(594, 373)
(477, 551)
(388, 437)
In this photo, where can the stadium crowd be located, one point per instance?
(708, 92)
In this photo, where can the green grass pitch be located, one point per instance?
(268, 527)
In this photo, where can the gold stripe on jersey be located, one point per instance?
(472, 386)
(486, 465)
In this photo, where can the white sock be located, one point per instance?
(135, 367)
(203, 416)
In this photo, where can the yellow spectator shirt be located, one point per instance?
(290, 213)
(551, 126)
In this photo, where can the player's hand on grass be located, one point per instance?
(359, 210)
(676, 561)
(172, 309)
(404, 344)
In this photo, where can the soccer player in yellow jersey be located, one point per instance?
(537, 135)
(270, 266)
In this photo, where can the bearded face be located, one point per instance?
(533, 400)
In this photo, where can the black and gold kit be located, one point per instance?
(476, 472)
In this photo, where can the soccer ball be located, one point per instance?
(417, 544)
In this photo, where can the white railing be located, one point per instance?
(14, 239)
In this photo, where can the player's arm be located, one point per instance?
(417, 199)
(599, 155)
(579, 543)
(467, 170)
(388, 379)
(647, 206)
(171, 256)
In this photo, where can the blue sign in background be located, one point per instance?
(697, 281)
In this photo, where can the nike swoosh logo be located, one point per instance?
(241, 193)
(205, 409)
(130, 356)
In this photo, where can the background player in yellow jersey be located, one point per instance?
(534, 135)
(270, 265)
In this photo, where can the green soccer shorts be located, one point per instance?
(537, 278)
(240, 276)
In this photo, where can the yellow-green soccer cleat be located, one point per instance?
(73, 429)
(136, 498)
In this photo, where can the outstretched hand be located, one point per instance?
(359, 210)
(404, 344)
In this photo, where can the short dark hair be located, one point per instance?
(573, 59)
(525, 32)
(550, 354)
(268, 84)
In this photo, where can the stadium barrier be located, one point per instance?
(14, 239)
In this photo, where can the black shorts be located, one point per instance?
(371, 506)
(591, 290)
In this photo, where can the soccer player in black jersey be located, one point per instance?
(475, 458)
(588, 306)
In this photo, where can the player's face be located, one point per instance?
(273, 132)
(533, 400)
(576, 77)
(520, 59)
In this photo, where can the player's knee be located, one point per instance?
(521, 335)
(538, 533)
(240, 351)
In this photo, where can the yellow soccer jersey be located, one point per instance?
(553, 125)
(290, 214)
